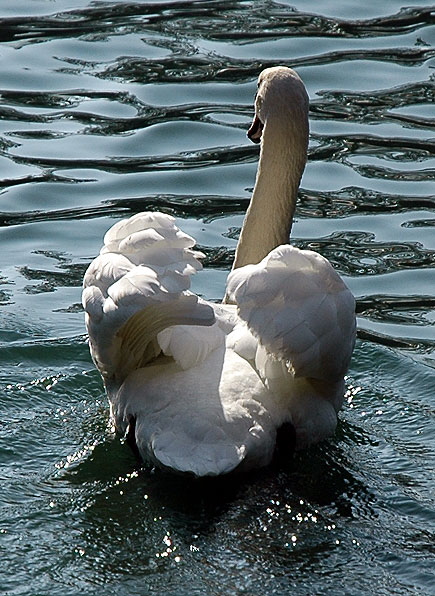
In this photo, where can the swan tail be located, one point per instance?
(299, 309)
(206, 421)
(198, 454)
(136, 288)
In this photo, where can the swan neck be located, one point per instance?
(269, 218)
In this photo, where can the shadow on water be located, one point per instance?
(321, 476)
(283, 519)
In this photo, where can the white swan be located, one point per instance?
(204, 388)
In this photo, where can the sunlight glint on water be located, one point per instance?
(108, 109)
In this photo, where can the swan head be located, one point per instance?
(281, 94)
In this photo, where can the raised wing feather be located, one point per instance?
(136, 288)
(300, 310)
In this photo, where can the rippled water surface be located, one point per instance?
(110, 108)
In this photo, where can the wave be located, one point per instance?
(230, 21)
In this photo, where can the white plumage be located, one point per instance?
(203, 388)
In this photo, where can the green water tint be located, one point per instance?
(108, 110)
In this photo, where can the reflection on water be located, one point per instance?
(110, 108)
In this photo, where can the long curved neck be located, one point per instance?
(269, 218)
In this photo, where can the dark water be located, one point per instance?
(108, 109)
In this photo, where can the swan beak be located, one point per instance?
(255, 131)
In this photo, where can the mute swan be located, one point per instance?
(204, 388)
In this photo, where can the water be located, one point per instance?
(108, 109)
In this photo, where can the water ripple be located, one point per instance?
(199, 68)
(230, 21)
(110, 108)
(371, 106)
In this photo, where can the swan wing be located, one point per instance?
(300, 310)
(136, 288)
